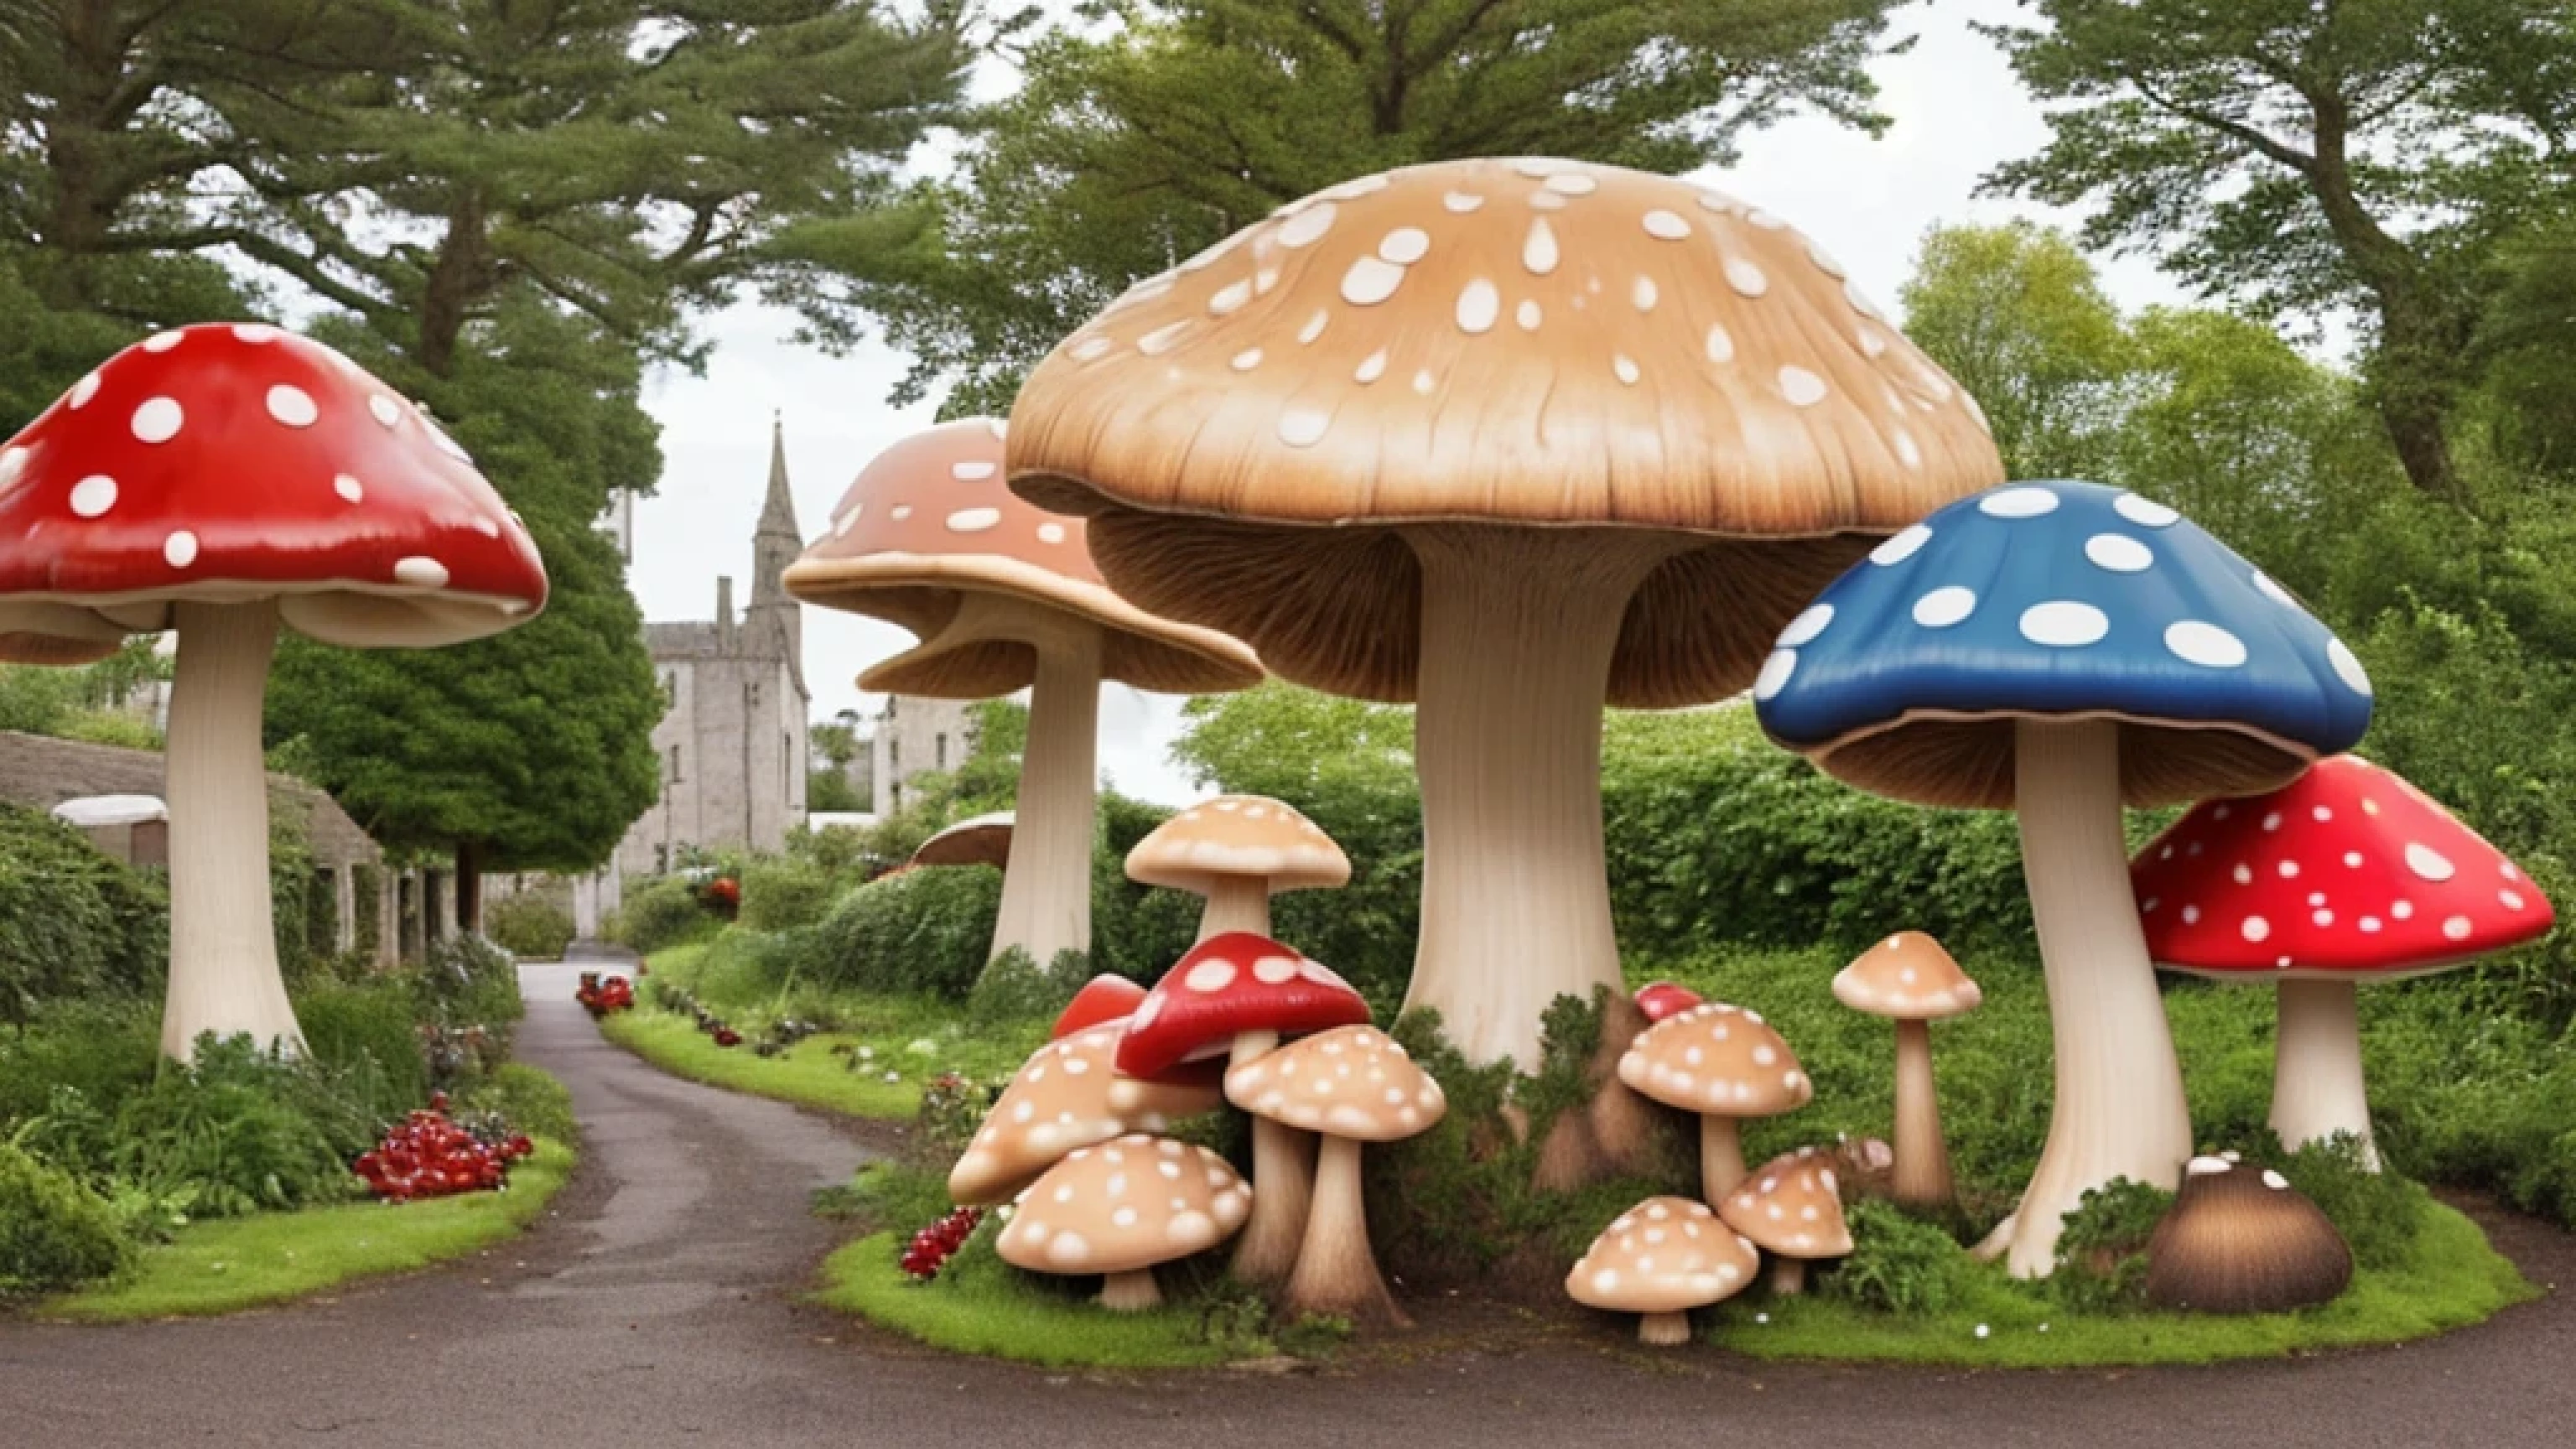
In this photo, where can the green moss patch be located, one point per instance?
(233, 1263)
(2449, 1280)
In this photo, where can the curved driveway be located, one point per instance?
(657, 1305)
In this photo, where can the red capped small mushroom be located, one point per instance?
(223, 480)
(1103, 998)
(2348, 874)
(1661, 999)
(1234, 996)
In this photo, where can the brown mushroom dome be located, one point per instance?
(928, 523)
(1238, 835)
(1525, 342)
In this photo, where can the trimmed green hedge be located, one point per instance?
(73, 922)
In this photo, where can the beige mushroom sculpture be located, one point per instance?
(1725, 1064)
(1005, 598)
(1068, 1095)
(1911, 981)
(1351, 1086)
(1506, 438)
(1238, 851)
(1661, 1259)
(977, 840)
(1122, 1208)
(1792, 1209)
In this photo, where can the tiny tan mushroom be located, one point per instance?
(1910, 980)
(1724, 1064)
(1792, 1209)
(1238, 851)
(1663, 1258)
(1120, 1208)
(1068, 1095)
(1353, 1084)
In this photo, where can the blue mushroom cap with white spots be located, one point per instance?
(2060, 601)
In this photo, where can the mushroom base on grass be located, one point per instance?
(1921, 1174)
(2317, 1090)
(1336, 1272)
(1130, 1292)
(224, 977)
(1518, 632)
(1664, 1330)
(2119, 1109)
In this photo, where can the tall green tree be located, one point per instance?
(2305, 156)
(2016, 314)
(1126, 151)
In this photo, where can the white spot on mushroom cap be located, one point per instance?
(1314, 327)
(1480, 305)
(2457, 928)
(1460, 203)
(180, 549)
(1051, 533)
(1775, 673)
(2064, 624)
(1945, 606)
(158, 420)
(162, 341)
(348, 487)
(421, 573)
(92, 495)
(1538, 251)
(1801, 387)
(1370, 281)
(82, 391)
(1090, 348)
(974, 520)
(972, 470)
(2256, 928)
(1666, 225)
(2196, 641)
(1721, 343)
(292, 406)
(385, 409)
(1625, 367)
(1163, 339)
(1405, 245)
(1228, 298)
(2022, 502)
(1901, 545)
(1528, 314)
(2429, 863)
(2119, 553)
(1746, 278)
(1308, 226)
(1643, 293)
(2145, 512)
(2347, 668)
(1246, 360)
(1809, 624)
(1304, 427)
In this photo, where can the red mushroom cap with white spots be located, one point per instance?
(928, 522)
(1521, 342)
(1662, 999)
(1227, 985)
(2348, 872)
(226, 463)
(1104, 998)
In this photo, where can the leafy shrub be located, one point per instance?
(73, 922)
(1013, 989)
(104, 1049)
(369, 1032)
(530, 1100)
(2380, 1214)
(2102, 1254)
(784, 894)
(248, 1130)
(663, 913)
(54, 1232)
(530, 925)
(1898, 1263)
(924, 931)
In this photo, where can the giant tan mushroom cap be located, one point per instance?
(1528, 342)
(1068, 1095)
(1724, 1064)
(1792, 1208)
(1907, 977)
(1121, 1208)
(1662, 1258)
(928, 524)
(1238, 836)
(1352, 1082)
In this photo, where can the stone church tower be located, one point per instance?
(733, 744)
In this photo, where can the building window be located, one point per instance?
(675, 764)
(894, 757)
(939, 744)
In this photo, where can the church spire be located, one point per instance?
(778, 511)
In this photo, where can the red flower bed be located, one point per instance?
(933, 1246)
(426, 1155)
(600, 998)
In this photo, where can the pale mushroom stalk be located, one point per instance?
(1721, 1157)
(1283, 1175)
(1046, 888)
(223, 944)
(2317, 1088)
(1518, 630)
(2119, 1108)
(1336, 1272)
(1663, 1330)
(1788, 1276)
(1922, 1172)
(1132, 1292)
(1235, 903)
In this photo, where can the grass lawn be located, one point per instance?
(910, 1039)
(987, 1308)
(2454, 1280)
(225, 1264)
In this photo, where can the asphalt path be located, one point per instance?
(660, 1303)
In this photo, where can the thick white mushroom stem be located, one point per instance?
(1922, 1173)
(1336, 1272)
(1721, 1158)
(223, 940)
(1236, 903)
(1664, 1330)
(1518, 629)
(1130, 1292)
(2119, 1109)
(1046, 888)
(1788, 1277)
(1283, 1185)
(2316, 1068)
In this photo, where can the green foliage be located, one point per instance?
(659, 915)
(1898, 1263)
(73, 922)
(1014, 988)
(54, 1232)
(370, 1034)
(785, 893)
(2380, 1214)
(1129, 147)
(2016, 314)
(530, 1100)
(2102, 1254)
(531, 925)
(925, 931)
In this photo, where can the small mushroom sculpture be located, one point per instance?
(1660, 999)
(1005, 598)
(1792, 1209)
(1238, 851)
(224, 482)
(2347, 875)
(2240, 1239)
(1352, 1085)
(1235, 996)
(1661, 1259)
(2063, 650)
(1068, 1095)
(1103, 998)
(1724, 1064)
(1911, 981)
(1507, 438)
(1122, 1208)
(978, 840)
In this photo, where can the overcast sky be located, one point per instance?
(1957, 111)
